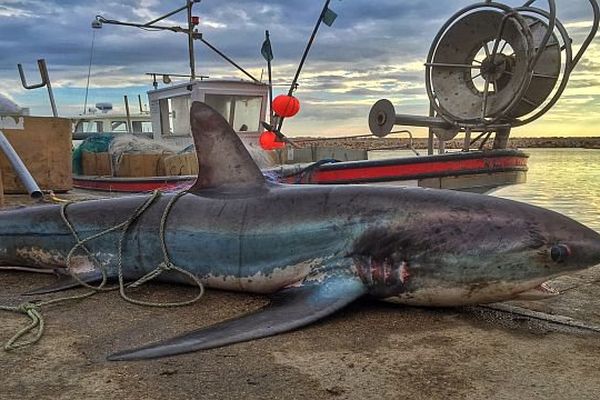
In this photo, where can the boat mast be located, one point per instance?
(190, 33)
(191, 23)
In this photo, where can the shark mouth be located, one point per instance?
(540, 292)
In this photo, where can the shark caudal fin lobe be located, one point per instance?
(222, 157)
(290, 309)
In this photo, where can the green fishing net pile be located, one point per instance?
(93, 144)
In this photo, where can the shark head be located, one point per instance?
(486, 251)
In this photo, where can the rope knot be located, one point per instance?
(166, 266)
(25, 308)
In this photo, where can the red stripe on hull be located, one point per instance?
(456, 164)
(421, 170)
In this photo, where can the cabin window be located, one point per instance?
(247, 113)
(242, 112)
(89, 126)
(175, 116)
(141, 126)
(222, 104)
(118, 126)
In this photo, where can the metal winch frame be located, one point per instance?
(490, 68)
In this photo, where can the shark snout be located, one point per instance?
(583, 251)
(575, 246)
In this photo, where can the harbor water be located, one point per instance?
(563, 180)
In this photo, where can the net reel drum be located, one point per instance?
(490, 68)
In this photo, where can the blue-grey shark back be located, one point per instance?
(314, 248)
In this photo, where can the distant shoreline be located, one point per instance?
(421, 143)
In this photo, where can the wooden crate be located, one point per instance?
(96, 164)
(140, 165)
(44, 144)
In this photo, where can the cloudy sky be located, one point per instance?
(376, 49)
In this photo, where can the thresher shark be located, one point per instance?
(317, 249)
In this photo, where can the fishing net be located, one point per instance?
(93, 144)
(131, 144)
(119, 145)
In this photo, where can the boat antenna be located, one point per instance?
(267, 53)
(87, 86)
(328, 17)
(151, 26)
(190, 31)
(198, 36)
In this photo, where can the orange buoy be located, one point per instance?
(286, 106)
(268, 141)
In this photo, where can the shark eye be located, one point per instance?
(560, 253)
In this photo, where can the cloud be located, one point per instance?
(374, 50)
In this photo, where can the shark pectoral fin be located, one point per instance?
(65, 282)
(290, 309)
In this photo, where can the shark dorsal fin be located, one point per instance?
(222, 157)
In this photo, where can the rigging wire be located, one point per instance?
(87, 86)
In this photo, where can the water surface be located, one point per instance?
(563, 180)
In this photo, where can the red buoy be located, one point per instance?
(286, 106)
(268, 141)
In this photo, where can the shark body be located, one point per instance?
(314, 248)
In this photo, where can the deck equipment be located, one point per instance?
(490, 68)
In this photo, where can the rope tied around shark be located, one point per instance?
(33, 309)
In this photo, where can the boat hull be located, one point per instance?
(479, 171)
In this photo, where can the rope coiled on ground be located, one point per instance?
(33, 309)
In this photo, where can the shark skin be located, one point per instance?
(314, 249)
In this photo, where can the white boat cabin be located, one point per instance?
(111, 123)
(244, 104)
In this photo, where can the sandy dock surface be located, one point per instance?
(370, 350)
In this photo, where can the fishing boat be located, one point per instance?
(245, 104)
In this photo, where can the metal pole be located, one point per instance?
(441, 146)
(270, 71)
(430, 145)
(501, 140)
(140, 101)
(24, 80)
(45, 82)
(166, 16)
(304, 57)
(46, 78)
(128, 115)
(20, 169)
(219, 52)
(308, 47)
(87, 86)
(467, 142)
(190, 4)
